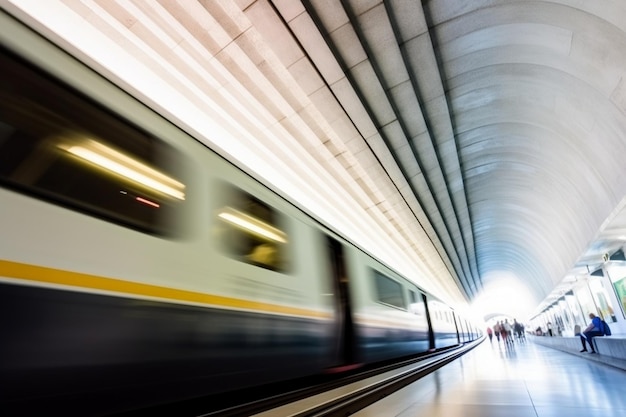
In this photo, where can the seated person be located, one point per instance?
(594, 329)
(264, 255)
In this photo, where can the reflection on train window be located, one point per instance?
(251, 231)
(416, 305)
(439, 311)
(59, 146)
(388, 291)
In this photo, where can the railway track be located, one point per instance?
(329, 397)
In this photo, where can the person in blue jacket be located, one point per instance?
(594, 329)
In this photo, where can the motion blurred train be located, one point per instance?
(138, 266)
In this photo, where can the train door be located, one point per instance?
(456, 326)
(345, 346)
(431, 333)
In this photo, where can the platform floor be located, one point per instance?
(525, 380)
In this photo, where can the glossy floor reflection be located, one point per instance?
(524, 380)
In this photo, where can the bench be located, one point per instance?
(611, 349)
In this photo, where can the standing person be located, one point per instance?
(517, 328)
(496, 330)
(507, 332)
(594, 329)
(549, 326)
(490, 334)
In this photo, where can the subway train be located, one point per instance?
(139, 267)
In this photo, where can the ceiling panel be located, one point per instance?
(473, 140)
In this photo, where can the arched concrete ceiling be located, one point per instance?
(485, 138)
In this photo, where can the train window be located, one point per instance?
(389, 291)
(59, 146)
(251, 231)
(416, 305)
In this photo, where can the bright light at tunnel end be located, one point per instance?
(504, 294)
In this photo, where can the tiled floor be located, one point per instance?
(525, 380)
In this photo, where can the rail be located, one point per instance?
(350, 398)
(326, 397)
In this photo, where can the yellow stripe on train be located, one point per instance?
(40, 274)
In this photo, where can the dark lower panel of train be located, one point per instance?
(60, 342)
(71, 346)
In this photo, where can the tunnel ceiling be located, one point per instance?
(486, 138)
